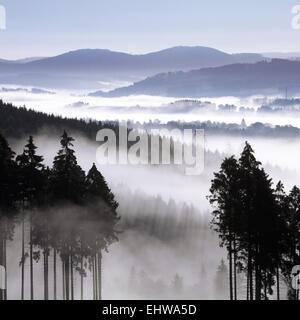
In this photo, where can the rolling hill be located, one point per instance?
(85, 68)
(265, 77)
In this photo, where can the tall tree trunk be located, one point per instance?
(5, 267)
(54, 274)
(3, 236)
(99, 275)
(94, 283)
(31, 260)
(23, 255)
(47, 273)
(46, 297)
(72, 277)
(46, 268)
(266, 294)
(1, 255)
(230, 270)
(81, 277)
(257, 280)
(277, 283)
(96, 278)
(63, 279)
(258, 273)
(248, 283)
(234, 268)
(67, 276)
(249, 263)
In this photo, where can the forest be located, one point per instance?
(17, 122)
(67, 213)
(259, 225)
(65, 219)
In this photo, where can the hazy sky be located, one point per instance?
(49, 27)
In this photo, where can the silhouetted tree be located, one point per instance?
(292, 239)
(32, 179)
(248, 219)
(8, 195)
(225, 194)
(100, 222)
(68, 186)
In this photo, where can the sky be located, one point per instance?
(50, 27)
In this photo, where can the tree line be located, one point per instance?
(19, 122)
(258, 224)
(63, 212)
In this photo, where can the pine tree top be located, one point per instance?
(97, 187)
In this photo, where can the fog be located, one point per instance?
(164, 221)
(166, 249)
(77, 104)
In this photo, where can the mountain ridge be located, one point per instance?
(240, 79)
(84, 68)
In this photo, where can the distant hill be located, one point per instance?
(17, 123)
(235, 79)
(84, 68)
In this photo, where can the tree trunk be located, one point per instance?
(46, 291)
(277, 282)
(94, 284)
(266, 294)
(31, 260)
(248, 284)
(1, 255)
(23, 255)
(72, 277)
(67, 276)
(258, 273)
(63, 280)
(54, 274)
(250, 273)
(5, 267)
(96, 278)
(46, 268)
(234, 269)
(3, 236)
(230, 271)
(81, 278)
(99, 275)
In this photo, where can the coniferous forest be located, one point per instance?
(66, 212)
(259, 225)
(72, 216)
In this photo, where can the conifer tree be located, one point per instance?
(292, 239)
(225, 195)
(32, 179)
(247, 218)
(101, 221)
(68, 186)
(8, 195)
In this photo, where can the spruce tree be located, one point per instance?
(226, 198)
(99, 231)
(67, 187)
(32, 180)
(8, 197)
